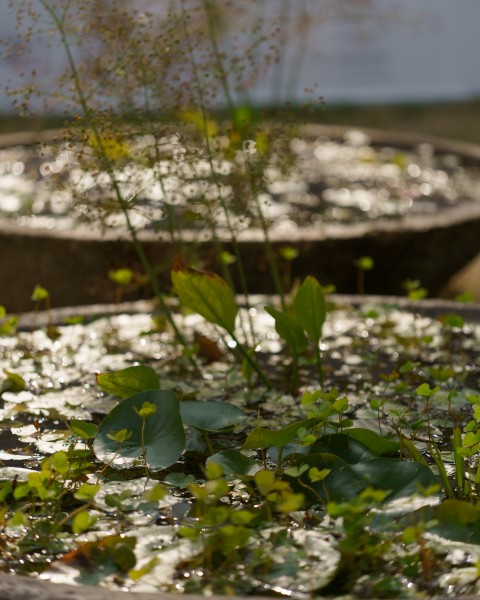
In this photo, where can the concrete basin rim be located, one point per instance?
(444, 218)
(428, 306)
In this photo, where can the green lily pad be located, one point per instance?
(234, 462)
(377, 444)
(209, 415)
(163, 438)
(343, 446)
(401, 478)
(267, 438)
(457, 520)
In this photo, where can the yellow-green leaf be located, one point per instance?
(205, 293)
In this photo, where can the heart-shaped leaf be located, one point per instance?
(210, 416)
(400, 478)
(343, 446)
(234, 462)
(159, 437)
(267, 438)
(129, 381)
(377, 444)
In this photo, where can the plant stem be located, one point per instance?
(318, 360)
(82, 100)
(255, 366)
(231, 229)
(231, 106)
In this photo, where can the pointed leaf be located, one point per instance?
(205, 293)
(129, 381)
(310, 308)
(289, 329)
(163, 435)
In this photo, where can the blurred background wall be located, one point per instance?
(381, 51)
(347, 51)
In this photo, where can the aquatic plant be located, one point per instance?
(250, 498)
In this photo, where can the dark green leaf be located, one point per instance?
(234, 462)
(310, 308)
(400, 478)
(289, 329)
(210, 416)
(377, 444)
(164, 438)
(343, 446)
(267, 438)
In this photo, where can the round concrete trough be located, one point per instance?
(74, 266)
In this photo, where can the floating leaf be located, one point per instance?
(310, 307)
(161, 436)
(233, 462)
(398, 477)
(457, 511)
(129, 381)
(267, 438)
(210, 416)
(377, 444)
(181, 480)
(205, 293)
(343, 446)
(83, 429)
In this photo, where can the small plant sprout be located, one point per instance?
(41, 295)
(288, 255)
(8, 324)
(414, 289)
(426, 392)
(307, 315)
(211, 297)
(122, 278)
(363, 264)
(147, 410)
(311, 311)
